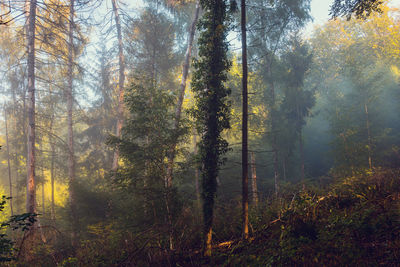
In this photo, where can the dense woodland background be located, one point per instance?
(100, 130)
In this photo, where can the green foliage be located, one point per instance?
(139, 183)
(354, 223)
(212, 109)
(22, 222)
(6, 245)
(360, 8)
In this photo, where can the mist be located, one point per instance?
(199, 133)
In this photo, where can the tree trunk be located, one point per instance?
(196, 174)
(273, 132)
(43, 206)
(52, 162)
(31, 188)
(121, 82)
(70, 100)
(8, 163)
(52, 176)
(254, 179)
(275, 149)
(302, 176)
(300, 129)
(178, 109)
(43, 182)
(245, 165)
(284, 168)
(369, 136)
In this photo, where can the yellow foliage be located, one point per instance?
(257, 109)
(395, 70)
(6, 213)
(380, 32)
(60, 192)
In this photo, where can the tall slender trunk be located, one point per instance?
(178, 108)
(24, 133)
(302, 176)
(276, 174)
(245, 164)
(254, 179)
(43, 197)
(15, 155)
(299, 118)
(273, 132)
(43, 205)
(369, 136)
(53, 157)
(52, 177)
(31, 187)
(70, 100)
(8, 162)
(284, 168)
(274, 142)
(196, 173)
(121, 82)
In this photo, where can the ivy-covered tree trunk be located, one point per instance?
(212, 109)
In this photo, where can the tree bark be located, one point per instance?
(70, 100)
(52, 162)
(43, 182)
(245, 165)
(178, 108)
(52, 176)
(43, 205)
(254, 179)
(31, 187)
(196, 173)
(121, 82)
(369, 136)
(8, 162)
(284, 168)
(302, 159)
(273, 132)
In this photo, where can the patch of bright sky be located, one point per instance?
(320, 13)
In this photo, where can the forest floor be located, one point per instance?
(355, 222)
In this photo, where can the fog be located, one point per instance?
(155, 135)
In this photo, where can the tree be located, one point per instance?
(355, 77)
(70, 100)
(211, 112)
(151, 51)
(181, 94)
(245, 156)
(8, 161)
(121, 80)
(146, 138)
(360, 8)
(31, 190)
(297, 102)
(266, 39)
